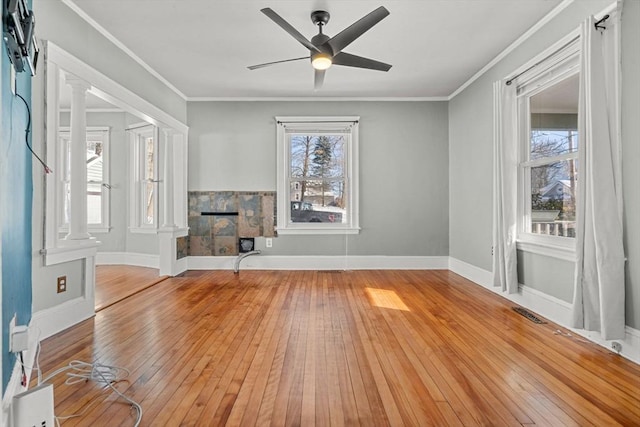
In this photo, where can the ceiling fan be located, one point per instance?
(325, 51)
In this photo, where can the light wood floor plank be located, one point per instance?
(371, 348)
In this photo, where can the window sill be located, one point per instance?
(563, 252)
(317, 231)
(141, 230)
(99, 229)
(91, 229)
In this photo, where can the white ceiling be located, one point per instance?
(203, 47)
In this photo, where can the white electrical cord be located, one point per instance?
(79, 371)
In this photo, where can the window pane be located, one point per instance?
(318, 201)
(148, 202)
(547, 143)
(148, 159)
(553, 199)
(66, 195)
(94, 161)
(94, 203)
(317, 156)
(554, 119)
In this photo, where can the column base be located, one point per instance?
(77, 236)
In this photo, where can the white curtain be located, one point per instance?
(505, 274)
(599, 277)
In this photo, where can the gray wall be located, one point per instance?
(471, 164)
(403, 169)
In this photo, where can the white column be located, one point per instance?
(78, 163)
(167, 179)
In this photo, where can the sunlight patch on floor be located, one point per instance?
(385, 299)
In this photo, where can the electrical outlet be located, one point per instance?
(34, 407)
(62, 284)
(269, 242)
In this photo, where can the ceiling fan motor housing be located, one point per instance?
(320, 17)
(319, 41)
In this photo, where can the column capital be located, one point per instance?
(167, 131)
(77, 82)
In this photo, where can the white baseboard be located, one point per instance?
(550, 307)
(128, 258)
(14, 386)
(266, 262)
(182, 264)
(52, 320)
(469, 271)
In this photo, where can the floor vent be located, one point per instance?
(329, 271)
(529, 315)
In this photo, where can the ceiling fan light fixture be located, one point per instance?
(321, 61)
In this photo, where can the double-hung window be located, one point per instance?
(317, 175)
(548, 151)
(97, 179)
(144, 179)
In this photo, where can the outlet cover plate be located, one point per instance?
(62, 284)
(34, 407)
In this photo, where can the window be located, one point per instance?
(97, 179)
(144, 182)
(317, 175)
(548, 151)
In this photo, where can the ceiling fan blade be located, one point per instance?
(288, 28)
(318, 79)
(266, 64)
(350, 60)
(349, 34)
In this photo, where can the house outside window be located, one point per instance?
(317, 175)
(144, 182)
(548, 151)
(97, 179)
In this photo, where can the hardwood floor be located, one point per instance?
(418, 348)
(117, 282)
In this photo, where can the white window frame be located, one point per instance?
(138, 133)
(343, 124)
(549, 70)
(94, 133)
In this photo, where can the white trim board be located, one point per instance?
(552, 308)
(285, 262)
(56, 319)
(128, 258)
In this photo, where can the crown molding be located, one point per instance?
(319, 99)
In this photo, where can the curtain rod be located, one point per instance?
(597, 25)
